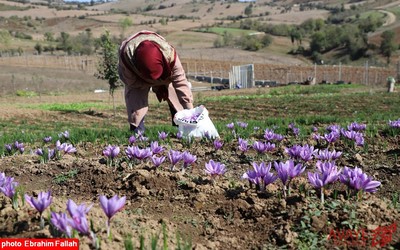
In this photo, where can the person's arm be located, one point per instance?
(181, 85)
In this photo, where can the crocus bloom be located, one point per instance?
(174, 157)
(179, 135)
(162, 135)
(78, 219)
(19, 146)
(8, 187)
(157, 161)
(394, 124)
(8, 148)
(39, 152)
(332, 136)
(138, 153)
(68, 148)
(43, 200)
(327, 172)
(60, 221)
(218, 144)
(356, 179)
(354, 126)
(230, 125)
(64, 135)
(155, 148)
(326, 155)
(132, 139)
(287, 171)
(260, 147)
(242, 124)
(269, 135)
(111, 151)
(243, 145)
(113, 205)
(188, 159)
(47, 139)
(260, 175)
(215, 168)
(2, 179)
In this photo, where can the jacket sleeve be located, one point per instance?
(181, 85)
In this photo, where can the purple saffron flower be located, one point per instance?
(262, 147)
(243, 145)
(8, 147)
(354, 126)
(314, 129)
(2, 179)
(334, 128)
(68, 148)
(64, 135)
(269, 135)
(162, 135)
(356, 179)
(358, 137)
(174, 157)
(188, 159)
(155, 148)
(111, 151)
(278, 137)
(132, 139)
(307, 153)
(242, 124)
(19, 146)
(39, 152)
(78, 219)
(112, 206)
(47, 139)
(294, 152)
(218, 144)
(287, 171)
(326, 155)
(230, 126)
(8, 187)
(60, 221)
(179, 135)
(295, 130)
(260, 175)
(157, 161)
(43, 200)
(332, 136)
(215, 168)
(394, 124)
(327, 172)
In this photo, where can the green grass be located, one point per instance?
(69, 107)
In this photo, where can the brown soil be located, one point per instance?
(227, 213)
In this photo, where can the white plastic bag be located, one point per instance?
(195, 123)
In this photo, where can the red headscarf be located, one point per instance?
(150, 61)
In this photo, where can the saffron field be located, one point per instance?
(295, 167)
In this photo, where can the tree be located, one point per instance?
(248, 10)
(124, 23)
(108, 65)
(388, 45)
(39, 48)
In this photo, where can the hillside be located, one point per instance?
(183, 16)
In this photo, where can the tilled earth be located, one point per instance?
(220, 214)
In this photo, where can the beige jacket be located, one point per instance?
(137, 88)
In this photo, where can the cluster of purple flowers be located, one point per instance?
(354, 133)
(8, 185)
(394, 124)
(16, 147)
(270, 135)
(60, 149)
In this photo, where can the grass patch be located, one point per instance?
(222, 30)
(70, 107)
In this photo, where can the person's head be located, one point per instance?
(150, 61)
